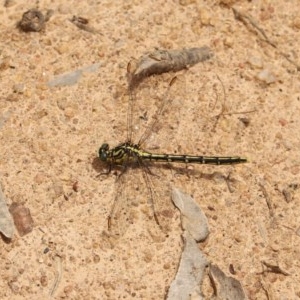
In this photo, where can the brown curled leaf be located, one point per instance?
(161, 61)
(22, 218)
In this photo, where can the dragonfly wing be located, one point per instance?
(159, 195)
(128, 197)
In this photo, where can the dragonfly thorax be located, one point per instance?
(125, 152)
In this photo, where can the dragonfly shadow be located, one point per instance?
(98, 165)
(103, 169)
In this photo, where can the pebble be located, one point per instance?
(266, 76)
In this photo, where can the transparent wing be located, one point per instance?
(131, 203)
(126, 199)
(157, 178)
(156, 107)
(142, 193)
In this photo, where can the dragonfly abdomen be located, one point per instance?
(212, 160)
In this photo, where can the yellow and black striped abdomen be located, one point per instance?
(212, 160)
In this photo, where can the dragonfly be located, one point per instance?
(132, 159)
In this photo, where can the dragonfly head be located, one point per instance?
(103, 152)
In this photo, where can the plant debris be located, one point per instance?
(34, 20)
(190, 273)
(273, 269)
(82, 23)
(250, 23)
(22, 218)
(225, 287)
(193, 219)
(7, 227)
(162, 61)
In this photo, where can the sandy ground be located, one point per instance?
(50, 137)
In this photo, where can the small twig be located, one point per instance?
(268, 200)
(244, 18)
(82, 23)
(266, 290)
(58, 275)
(224, 108)
(274, 269)
(228, 179)
(248, 20)
(239, 112)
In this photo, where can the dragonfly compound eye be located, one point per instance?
(103, 152)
